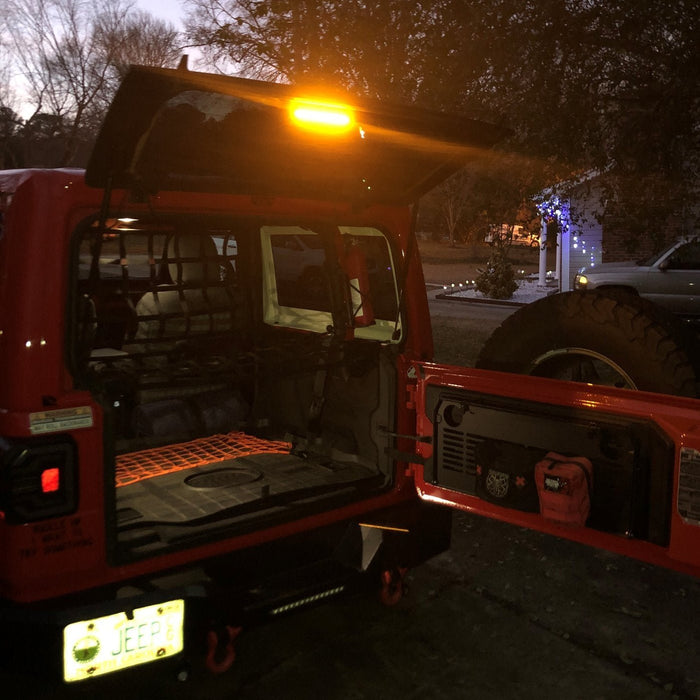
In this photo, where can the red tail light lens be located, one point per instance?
(38, 480)
(50, 480)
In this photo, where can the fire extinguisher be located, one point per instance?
(358, 278)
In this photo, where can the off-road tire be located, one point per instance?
(648, 347)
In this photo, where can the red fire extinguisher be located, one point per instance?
(358, 278)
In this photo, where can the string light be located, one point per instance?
(556, 210)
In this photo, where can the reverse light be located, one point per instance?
(323, 117)
(308, 600)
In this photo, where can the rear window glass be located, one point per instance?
(299, 261)
(297, 280)
(143, 290)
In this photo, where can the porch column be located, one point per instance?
(558, 253)
(542, 281)
(565, 256)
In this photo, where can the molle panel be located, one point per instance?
(632, 460)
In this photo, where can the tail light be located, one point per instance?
(37, 479)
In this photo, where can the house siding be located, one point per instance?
(584, 247)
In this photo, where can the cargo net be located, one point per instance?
(146, 464)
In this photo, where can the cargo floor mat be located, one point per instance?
(196, 494)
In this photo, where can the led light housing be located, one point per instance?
(38, 480)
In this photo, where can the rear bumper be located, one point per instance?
(243, 589)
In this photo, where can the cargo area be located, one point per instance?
(238, 387)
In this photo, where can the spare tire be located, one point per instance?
(599, 339)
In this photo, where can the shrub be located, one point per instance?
(497, 281)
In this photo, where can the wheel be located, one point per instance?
(595, 338)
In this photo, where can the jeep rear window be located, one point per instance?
(120, 254)
(297, 279)
(145, 290)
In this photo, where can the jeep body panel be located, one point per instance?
(41, 400)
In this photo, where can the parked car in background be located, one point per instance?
(670, 278)
(515, 234)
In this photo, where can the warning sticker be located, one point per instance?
(689, 486)
(60, 420)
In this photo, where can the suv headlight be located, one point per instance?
(580, 282)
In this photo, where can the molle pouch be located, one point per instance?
(505, 474)
(564, 485)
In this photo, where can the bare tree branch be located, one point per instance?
(72, 55)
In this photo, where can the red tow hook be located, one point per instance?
(393, 585)
(220, 650)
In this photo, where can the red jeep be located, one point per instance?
(216, 396)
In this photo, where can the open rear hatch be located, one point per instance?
(181, 130)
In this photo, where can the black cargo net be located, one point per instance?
(159, 333)
(151, 295)
(146, 464)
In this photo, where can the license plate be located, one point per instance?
(115, 642)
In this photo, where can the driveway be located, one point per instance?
(505, 613)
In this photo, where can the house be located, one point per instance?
(576, 218)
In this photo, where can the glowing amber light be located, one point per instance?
(322, 117)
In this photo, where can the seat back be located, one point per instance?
(199, 298)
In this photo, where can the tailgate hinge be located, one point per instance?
(411, 396)
(401, 456)
(428, 439)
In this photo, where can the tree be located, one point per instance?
(388, 49)
(55, 49)
(450, 200)
(70, 54)
(10, 121)
(584, 84)
(139, 38)
(497, 280)
(607, 85)
(10, 124)
(43, 139)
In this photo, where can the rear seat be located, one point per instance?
(198, 300)
(175, 348)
